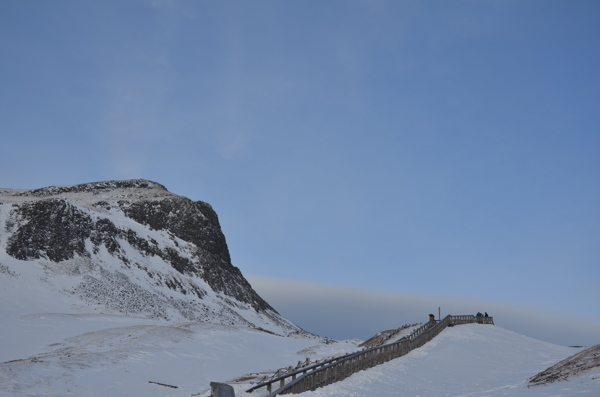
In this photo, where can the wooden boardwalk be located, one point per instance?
(339, 368)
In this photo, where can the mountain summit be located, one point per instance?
(129, 247)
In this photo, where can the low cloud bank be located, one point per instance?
(346, 313)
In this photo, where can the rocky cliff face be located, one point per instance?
(130, 247)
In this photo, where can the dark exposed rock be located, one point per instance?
(94, 188)
(194, 222)
(105, 233)
(54, 229)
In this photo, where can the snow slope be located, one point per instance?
(106, 355)
(468, 360)
(574, 366)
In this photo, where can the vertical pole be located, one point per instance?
(439, 313)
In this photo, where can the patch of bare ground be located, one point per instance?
(572, 367)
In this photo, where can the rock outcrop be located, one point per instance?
(571, 367)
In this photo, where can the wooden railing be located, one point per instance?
(339, 368)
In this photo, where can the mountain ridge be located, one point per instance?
(91, 187)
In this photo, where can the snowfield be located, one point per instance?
(468, 360)
(108, 355)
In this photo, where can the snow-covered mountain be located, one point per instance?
(122, 288)
(124, 247)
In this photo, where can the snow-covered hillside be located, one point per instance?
(468, 360)
(571, 367)
(107, 355)
(124, 247)
(55, 354)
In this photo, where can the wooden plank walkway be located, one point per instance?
(339, 368)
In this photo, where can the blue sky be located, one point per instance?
(447, 148)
